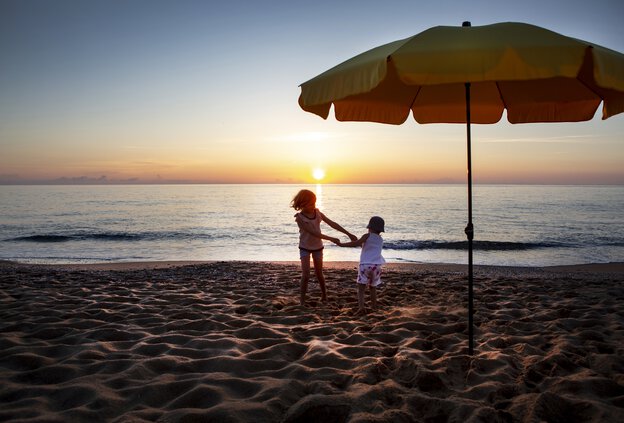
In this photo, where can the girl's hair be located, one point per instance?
(303, 198)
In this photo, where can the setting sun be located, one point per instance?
(318, 173)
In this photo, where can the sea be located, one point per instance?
(515, 225)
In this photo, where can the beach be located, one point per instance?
(229, 342)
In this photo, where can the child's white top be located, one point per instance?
(371, 250)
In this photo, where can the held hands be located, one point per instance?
(341, 244)
(338, 242)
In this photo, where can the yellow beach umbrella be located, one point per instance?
(469, 75)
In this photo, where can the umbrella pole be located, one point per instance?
(469, 228)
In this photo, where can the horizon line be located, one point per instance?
(116, 183)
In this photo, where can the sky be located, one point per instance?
(184, 91)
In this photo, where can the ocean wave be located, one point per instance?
(41, 238)
(463, 245)
(109, 236)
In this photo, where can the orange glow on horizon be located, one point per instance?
(344, 160)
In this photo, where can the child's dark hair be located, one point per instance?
(303, 198)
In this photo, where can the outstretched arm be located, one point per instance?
(305, 226)
(356, 243)
(337, 227)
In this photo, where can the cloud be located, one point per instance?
(307, 137)
(566, 139)
(73, 180)
(9, 179)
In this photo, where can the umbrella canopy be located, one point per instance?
(470, 75)
(536, 74)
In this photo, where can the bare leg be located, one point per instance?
(305, 277)
(361, 289)
(318, 270)
(373, 294)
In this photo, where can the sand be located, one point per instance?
(228, 342)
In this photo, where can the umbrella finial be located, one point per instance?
(466, 23)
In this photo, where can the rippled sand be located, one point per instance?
(228, 342)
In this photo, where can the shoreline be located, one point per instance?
(612, 267)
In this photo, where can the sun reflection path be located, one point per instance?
(319, 196)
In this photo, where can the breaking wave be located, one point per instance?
(110, 236)
(463, 245)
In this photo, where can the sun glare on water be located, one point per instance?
(318, 174)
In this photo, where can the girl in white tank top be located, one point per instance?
(371, 261)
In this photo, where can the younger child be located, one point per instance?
(371, 261)
(311, 239)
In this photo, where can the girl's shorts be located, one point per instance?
(369, 274)
(305, 254)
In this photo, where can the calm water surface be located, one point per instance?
(514, 225)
